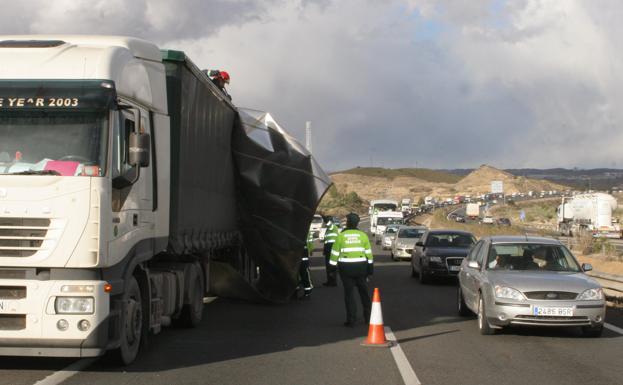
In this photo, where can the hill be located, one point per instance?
(419, 173)
(479, 182)
(373, 183)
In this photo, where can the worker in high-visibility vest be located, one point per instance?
(304, 274)
(352, 254)
(329, 239)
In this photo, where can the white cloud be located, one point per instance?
(441, 83)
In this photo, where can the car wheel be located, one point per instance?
(422, 277)
(592, 331)
(462, 307)
(483, 324)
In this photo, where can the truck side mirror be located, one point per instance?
(139, 149)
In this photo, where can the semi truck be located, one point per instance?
(472, 211)
(377, 206)
(589, 213)
(131, 188)
(405, 205)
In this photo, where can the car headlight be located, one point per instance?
(508, 292)
(591, 295)
(435, 259)
(74, 305)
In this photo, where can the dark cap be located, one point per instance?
(352, 220)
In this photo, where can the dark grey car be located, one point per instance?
(440, 253)
(529, 281)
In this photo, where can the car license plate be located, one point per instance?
(455, 268)
(552, 311)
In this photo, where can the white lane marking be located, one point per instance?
(613, 328)
(67, 372)
(208, 299)
(406, 371)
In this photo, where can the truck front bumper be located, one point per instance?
(92, 346)
(30, 324)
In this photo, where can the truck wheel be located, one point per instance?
(192, 313)
(131, 323)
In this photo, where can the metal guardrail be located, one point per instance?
(612, 284)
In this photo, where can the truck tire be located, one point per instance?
(192, 313)
(132, 323)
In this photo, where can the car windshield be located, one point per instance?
(389, 221)
(53, 142)
(410, 233)
(531, 256)
(450, 240)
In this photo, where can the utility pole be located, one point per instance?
(308, 136)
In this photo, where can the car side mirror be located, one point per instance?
(587, 267)
(473, 265)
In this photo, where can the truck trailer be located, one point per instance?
(130, 188)
(591, 213)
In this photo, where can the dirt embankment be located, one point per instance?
(394, 186)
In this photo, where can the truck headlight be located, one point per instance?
(591, 295)
(509, 293)
(74, 305)
(435, 259)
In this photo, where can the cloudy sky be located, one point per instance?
(396, 83)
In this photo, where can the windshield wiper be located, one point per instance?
(36, 172)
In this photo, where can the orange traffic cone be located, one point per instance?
(376, 332)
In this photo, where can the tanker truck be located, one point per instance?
(130, 188)
(588, 213)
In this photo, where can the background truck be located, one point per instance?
(588, 212)
(472, 211)
(130, 188)
(377, 206)
(384, 219)
(405, 205)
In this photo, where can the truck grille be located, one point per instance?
(22, 237)
(12, 321)
(12, 292)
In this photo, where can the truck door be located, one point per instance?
(132, 194)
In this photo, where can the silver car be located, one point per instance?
(388, 236)
(529, 281)
(405, 241)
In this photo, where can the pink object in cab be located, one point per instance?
(63, 167)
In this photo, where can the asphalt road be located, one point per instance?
(305, 343)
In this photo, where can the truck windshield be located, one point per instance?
(385, 207)
(67, 143)
(389, 221)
